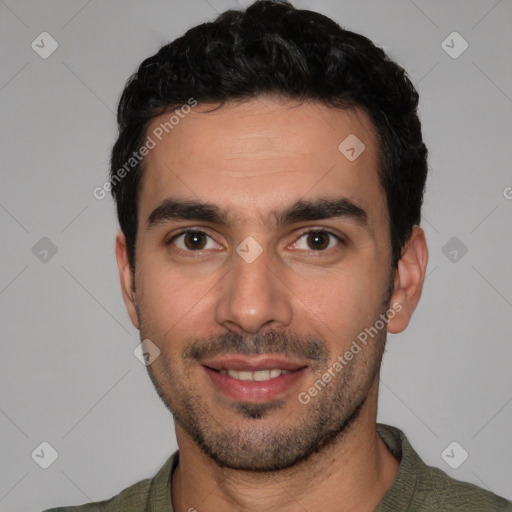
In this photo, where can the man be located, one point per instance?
(269, 175)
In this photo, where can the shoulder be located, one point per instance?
(149, 494)
(439, 491)
(131, 499)
(419, 487)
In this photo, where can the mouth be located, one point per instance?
(258, 375)
(256, 379)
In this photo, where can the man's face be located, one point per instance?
(284, 268)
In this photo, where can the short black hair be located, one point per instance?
(272, 48)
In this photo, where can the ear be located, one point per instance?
(127, 278)
(409, 278)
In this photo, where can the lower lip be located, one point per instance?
(254, 391)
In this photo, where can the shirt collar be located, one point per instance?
(159, 495)
(400, 495)
(398, 498)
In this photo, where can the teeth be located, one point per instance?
(258, 375)
(262, 375)
(244, 375)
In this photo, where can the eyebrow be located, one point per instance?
(300, 211)
(321, 209)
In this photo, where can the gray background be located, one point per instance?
(68, 375)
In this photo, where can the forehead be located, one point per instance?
(258, 155)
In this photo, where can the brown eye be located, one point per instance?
(194, 241)
(318, 240)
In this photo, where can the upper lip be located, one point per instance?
(252, 364)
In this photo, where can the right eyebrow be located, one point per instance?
(171, 209)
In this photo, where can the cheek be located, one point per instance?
(340, 301)
(173, 303)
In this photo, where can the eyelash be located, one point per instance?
(304, 233)
(326, 231)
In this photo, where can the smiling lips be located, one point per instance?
(258, 375)
(254, 379)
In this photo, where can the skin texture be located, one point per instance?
(253, 159)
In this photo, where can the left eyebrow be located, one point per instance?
(321, 209)
(300, 211)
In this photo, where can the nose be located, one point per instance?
(253, 297)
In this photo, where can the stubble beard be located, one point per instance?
(265, 445)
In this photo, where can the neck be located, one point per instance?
(351, 474)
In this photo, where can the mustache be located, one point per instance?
(270, 342)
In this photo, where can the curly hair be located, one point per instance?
(272, 48)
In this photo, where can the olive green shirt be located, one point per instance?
(417, 488)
